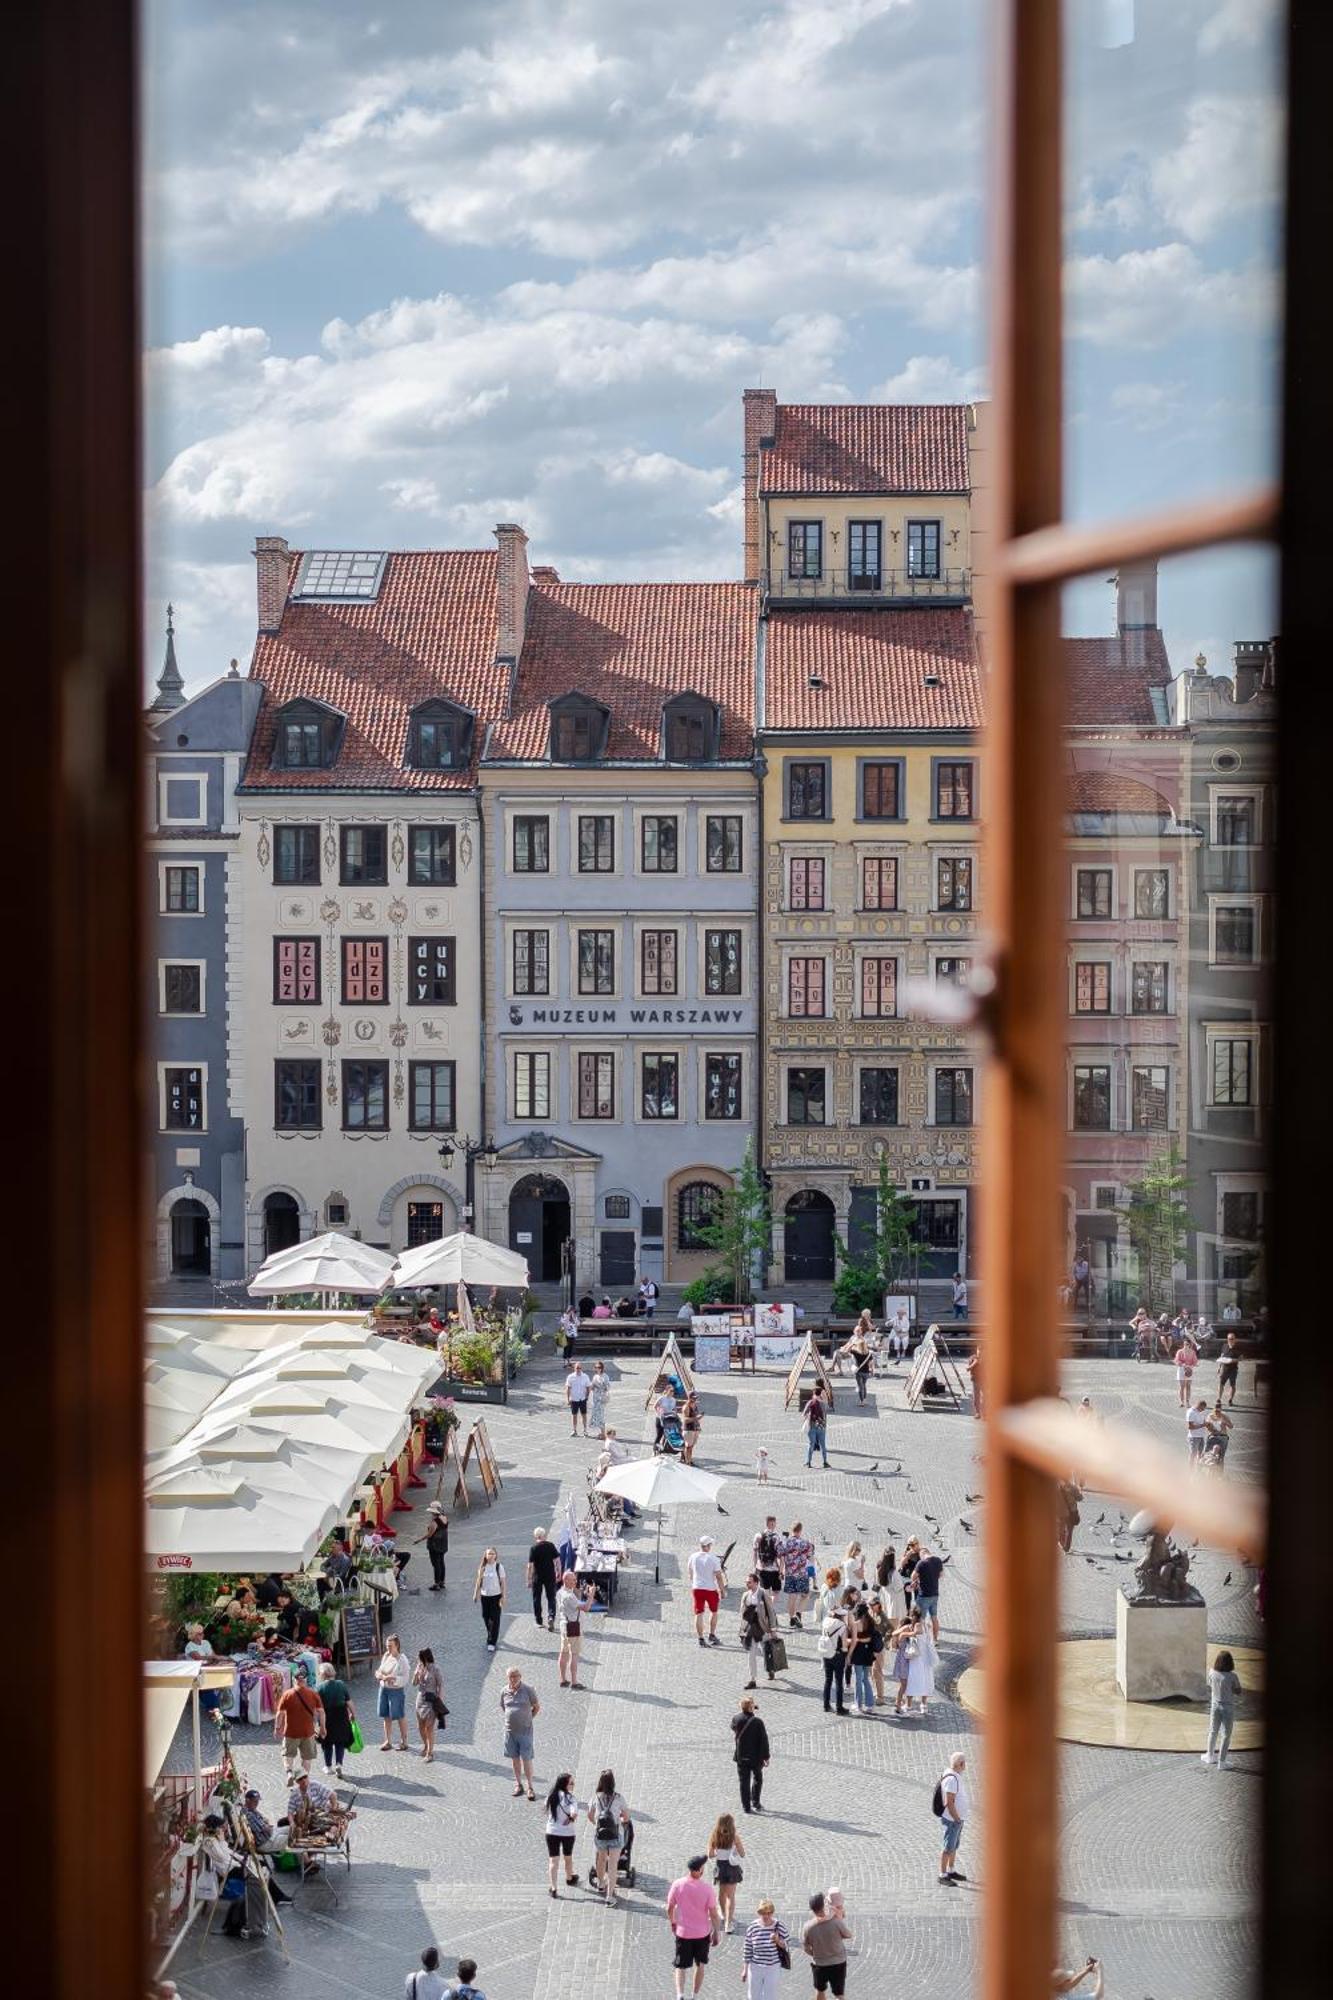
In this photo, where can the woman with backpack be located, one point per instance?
(609, 1816)
(759, 1625)
(832, 1643)
(726, 1851)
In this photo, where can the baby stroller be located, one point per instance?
(672, 1438)
(625, 1871)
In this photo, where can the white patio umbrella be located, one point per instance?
(463, 1259)
(660, 1482)
(330, 1263)
(220, 1520)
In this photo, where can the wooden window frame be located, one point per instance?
(532, 990)
(298, 1062)
(530, 1060)
(349, 943)
(306, 834)
(432, 1063)
(723, 821)
(446, 880)
(530, 823)
(433, 940)
(291, 938)
(376, 881)
(366, 1063)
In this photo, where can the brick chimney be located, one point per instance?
(761, 422)
(511, 590)
(273, 568)
(1136, 596)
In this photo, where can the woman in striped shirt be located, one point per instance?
(767, 1953)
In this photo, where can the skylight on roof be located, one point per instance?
(349, 576)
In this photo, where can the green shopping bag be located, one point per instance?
(358, 1741)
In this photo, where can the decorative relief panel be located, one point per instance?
(436, 1035)
(295, 910)
(301, 1033)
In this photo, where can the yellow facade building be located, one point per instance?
(858, 533)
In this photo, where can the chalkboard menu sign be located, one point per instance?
(360, 1632)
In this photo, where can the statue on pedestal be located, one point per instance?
(1163, 1575)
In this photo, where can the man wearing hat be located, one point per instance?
(708, 1581)
(695, 1920)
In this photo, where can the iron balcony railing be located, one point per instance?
(863, 586)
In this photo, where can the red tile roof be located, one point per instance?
(867, 448)
(875, 666)
(632, 646)
(1112, 792)
(1111, 680)
(430, 632)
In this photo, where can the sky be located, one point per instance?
(416, 267)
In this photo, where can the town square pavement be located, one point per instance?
(1160, 1875)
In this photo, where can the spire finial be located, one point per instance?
(170, 686)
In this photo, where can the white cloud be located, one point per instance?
(931, 378)
(1147, 406)
(1227, 162)
(1241, 23)
(1146, 298)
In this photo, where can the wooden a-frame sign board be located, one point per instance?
(460, 1476)
(671, 1356)
(809, 1357)
(929, 1360)
(479, 1446)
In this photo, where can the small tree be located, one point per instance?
(863, 1281)
(739, 1230)
(1157, 1217)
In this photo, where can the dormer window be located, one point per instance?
(439, 737)
(689, 730)
(578, 730)
(308, 736)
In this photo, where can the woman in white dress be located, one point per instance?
(890, 1587)
(921, 1666)
(854, 1566)
(599, 1388)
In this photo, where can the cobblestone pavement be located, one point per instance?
(1159, 1875)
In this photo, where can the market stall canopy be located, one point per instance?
(464, 1259)
(660, 1482)
(162, 1711)
(309, 1419)
(281, 1464)
(330, 1263)
(217, 1520)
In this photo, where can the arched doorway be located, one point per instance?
(282, 1222)
(808, 1237)
(191, 1240)
(539, 1223)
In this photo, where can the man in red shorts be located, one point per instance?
(708, 1581)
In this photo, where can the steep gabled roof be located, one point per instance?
(1112, 680)
(833, 448)
(1112, 792)
(882, 670)
(429, 633)
(631, 647)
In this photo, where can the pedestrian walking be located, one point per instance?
(767, 1561)
(393, 1675)
(691, 1423)
(648, 1295)
(664, 1410)
(465, 1988)
(298, 1724)
(926, 1588)
(708, 1583)
(1228, 1367)
(816, 1430)
(751, 1753)
(429, 1983)
(726, 1851)
(1196, 1429)
(766, 1952)
(974, 1376)
(339, 1715)
(761, 1464)
(520, 1707)
(562, 1813)
(950, 1805)
(577, 1386)
(824, 1940)
(490, 1590)
(570, 1605)
(794, 1553)
(436, 1539)
(431, 1711)
(599, 1388)
(1186, 1360)
(695, 1920)
(759, 1625)
(959, 1295)
(1223, 1689)
(610, 1817)
(542, 1575)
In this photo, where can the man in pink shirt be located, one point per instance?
(695, 1921)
